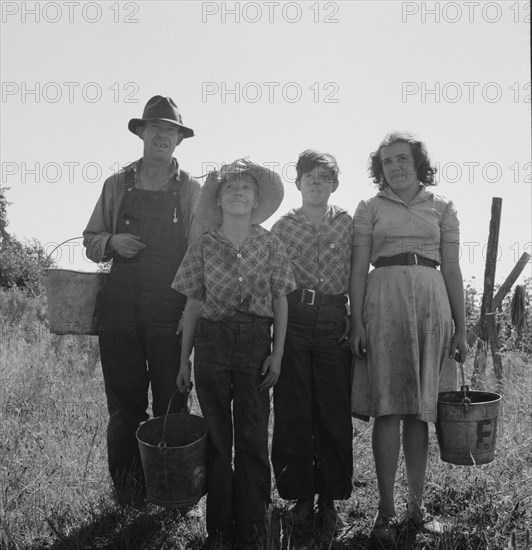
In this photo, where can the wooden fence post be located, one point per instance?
(488, 328)
(475, 332)
(491, 264)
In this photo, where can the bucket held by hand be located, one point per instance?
(173, 450)
(75, 300)
(467, 425)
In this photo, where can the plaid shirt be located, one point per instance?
(225, 279)
(321, 258)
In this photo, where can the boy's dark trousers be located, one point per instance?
(312, 437)
(228, 359)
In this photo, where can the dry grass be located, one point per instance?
(55, 491)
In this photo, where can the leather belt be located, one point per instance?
(406, 258)
(309, 297)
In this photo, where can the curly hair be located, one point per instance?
(311, 159)
(425, 172)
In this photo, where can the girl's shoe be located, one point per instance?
(384, 531)
(417, 520)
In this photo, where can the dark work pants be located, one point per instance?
(138, 347)
(312, 437)
(228, 358)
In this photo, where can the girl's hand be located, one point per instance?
(357, 341)
(183, 382)
(458, 350)
(271, 370)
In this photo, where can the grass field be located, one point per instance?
(55, 492)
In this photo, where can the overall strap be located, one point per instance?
(175, 186)
(130, 180)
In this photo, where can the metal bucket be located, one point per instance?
(467, 426)
(75, 300)
(173, 450)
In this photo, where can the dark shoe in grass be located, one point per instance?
(384, 532)
(301, 512)
(329, 517)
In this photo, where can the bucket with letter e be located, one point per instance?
(467, 425)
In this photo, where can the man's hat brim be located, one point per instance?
(134, 124)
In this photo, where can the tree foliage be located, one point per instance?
(3, 213)
(22, 264)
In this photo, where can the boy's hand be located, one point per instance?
(344, 339)
(270, 370)
(179, 326)
(183, 378)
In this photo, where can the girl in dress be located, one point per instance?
(408, 321)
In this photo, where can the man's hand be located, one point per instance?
(126, 244)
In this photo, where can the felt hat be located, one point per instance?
(269, 185)
(160, 108)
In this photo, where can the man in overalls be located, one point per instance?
(143, 222)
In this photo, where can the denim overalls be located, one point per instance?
(138, 342)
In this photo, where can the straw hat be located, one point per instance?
(269, 185)
(161, 108)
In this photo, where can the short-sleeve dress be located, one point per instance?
(407, 315)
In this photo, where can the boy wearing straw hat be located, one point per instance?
(312, 438)
(236, 278)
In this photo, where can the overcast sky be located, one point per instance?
(268, 80)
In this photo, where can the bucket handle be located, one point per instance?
(465, 388)
(61, 244)
(162, 443)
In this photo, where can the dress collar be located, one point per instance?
(422, 195)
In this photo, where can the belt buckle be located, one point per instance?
(411, 258)
(313, 296)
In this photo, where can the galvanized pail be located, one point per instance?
(75, 300)
(173, 450)
(467, 426)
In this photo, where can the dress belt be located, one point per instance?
(309, 297)
(406, 258)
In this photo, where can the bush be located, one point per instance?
(23, 265)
